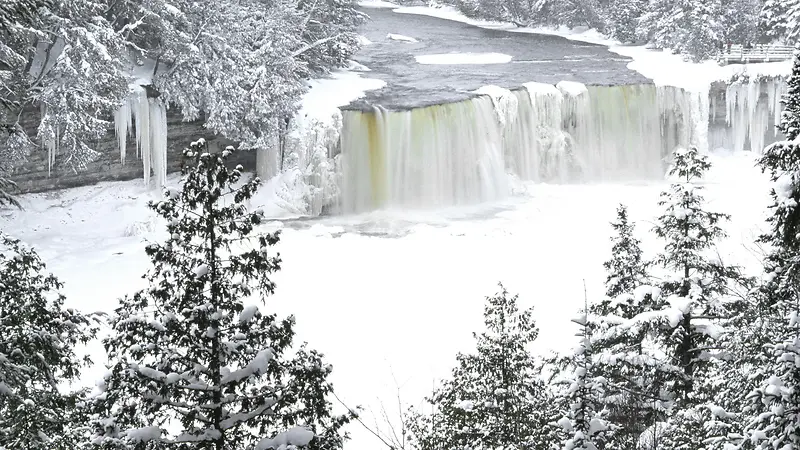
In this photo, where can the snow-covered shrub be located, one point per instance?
(38, 337)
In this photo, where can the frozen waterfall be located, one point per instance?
(752, 109)
(458, 153)
(148, 117)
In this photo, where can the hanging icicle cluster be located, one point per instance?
(148, 117)
(752, 105)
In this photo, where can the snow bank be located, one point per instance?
(464, 58)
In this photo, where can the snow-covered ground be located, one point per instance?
(392, 295)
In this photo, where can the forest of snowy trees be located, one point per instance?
(238, 66)
(697, 28)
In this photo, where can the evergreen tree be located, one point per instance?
(585, 423)
(775, 403)
(38, 337)
(194, 365)
(494, 398)
(696, 289)
(780, 20)
(625, 271)
(624, 362)
(622, 19)
(689, 27)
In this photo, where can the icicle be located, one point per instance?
(701, 116)
(141, 117)
(122, 125)
(50, 142)
(158, 144)
(753, 107)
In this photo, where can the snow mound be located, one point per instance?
(504, 101)
(572, 88)
(400, 37)
(465, 58)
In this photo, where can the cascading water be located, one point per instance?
(458, 153)
(150, 122)
(534, 145)
(427, 157)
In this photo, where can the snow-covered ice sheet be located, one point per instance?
(464, 58)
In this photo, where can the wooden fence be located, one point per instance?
(738, 54)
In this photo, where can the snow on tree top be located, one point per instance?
(296, 436)
(145, 434)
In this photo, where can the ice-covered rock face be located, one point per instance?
(744, 113)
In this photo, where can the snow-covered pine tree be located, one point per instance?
(775, 403)
(623, 360)
(780, 20)
(625, 270)
(693, 28)
(494, 398)
(196, 362)
(38, 337)
(585, 422)
(696, 290)
(622, 18)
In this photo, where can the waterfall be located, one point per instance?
(149, 118)
(535, 147)
(458, 153)
(435, 156)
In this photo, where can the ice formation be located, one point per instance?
(752, 107)
(149, 118)
(459, 153)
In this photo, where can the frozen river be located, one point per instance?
(534, 57)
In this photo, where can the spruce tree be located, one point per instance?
(494, 398)
(196, 363)
(631, 394)
(585, 423)
(38, 361)
(625, 270)
(696, 291)
(775, 403)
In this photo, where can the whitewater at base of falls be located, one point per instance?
(460, 153)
